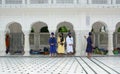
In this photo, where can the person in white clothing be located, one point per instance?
(69, 43)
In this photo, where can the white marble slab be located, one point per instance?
(59, 65)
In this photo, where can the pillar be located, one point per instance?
(26, 44)
(110, 42)
(78, 46)
(2, 43)
(51, 28)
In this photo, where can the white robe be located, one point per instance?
(68, 42)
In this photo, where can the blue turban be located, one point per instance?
(90, 33)
(52, 33)
(69, 33)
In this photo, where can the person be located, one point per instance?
(61, 42)
(89, 45)
(52, 43)
(69, 44)
(7, 39)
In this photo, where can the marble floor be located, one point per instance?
(59, 65)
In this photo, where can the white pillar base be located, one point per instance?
(26, 53)
(110, 52)
(2, 53)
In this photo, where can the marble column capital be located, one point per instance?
(26, 33)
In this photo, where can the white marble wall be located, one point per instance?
(53, 17)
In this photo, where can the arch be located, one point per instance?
(100, 36)
(98, 25)
(37, 26)
(16, 38)
(13, 27)
(117, 27)
(116, 36)
(66, 24)
(39, 36)
(44, 29)
(70, 28)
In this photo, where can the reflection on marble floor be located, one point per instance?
(59, 65)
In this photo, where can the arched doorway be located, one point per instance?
(66, 27)
(100, 38)
(16, 38)
(39, 36)
(116, 39)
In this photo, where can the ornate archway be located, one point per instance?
(16, 38)
(66, 27)
(39, 36)
(116, 36)
(100, 37)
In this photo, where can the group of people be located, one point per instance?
(57, 46)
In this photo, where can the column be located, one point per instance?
(23, 2)
(3, 3)
(110, 43)
(75, 1)
(54, 2)
(51, 28)
(83, 42)
(49, 1)
(26, 44)
(78, 46)
(28, 2)
(89, 1)
(109, 2)
(113, 2)
(2, 43)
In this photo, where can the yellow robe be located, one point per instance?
(61, 48)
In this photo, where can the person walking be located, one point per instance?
(89, 45)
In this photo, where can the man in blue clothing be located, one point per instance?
(52, 43)
(89, 45)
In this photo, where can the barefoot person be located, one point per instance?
(52, 43)
(69, 43)
(61, 44)
(89, 45)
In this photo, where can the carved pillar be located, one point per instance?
(2, 43)
(26, 44)
(110, 43)
(78, 46)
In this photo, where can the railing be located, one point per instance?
(99, 1)
(38, 1)
(60, 3)
(64, 1)
(13, 1)
(0, 1)
(117, 1)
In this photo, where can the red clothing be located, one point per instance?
(7, 41)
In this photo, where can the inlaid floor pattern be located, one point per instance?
(59, 65)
